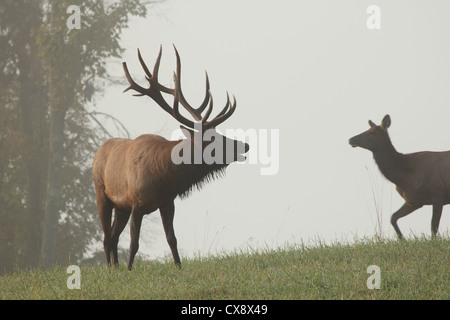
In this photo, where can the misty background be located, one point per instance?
(311, 70)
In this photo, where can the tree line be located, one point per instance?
(49, 129)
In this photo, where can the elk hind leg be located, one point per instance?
(400, 213)
(135, 229)
(105, 207)
(120, 221)
(437, 212)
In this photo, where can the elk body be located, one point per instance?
(137, 177)
(421, 178)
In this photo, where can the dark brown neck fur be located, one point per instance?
(392, 164)
(183, 178)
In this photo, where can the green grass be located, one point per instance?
(412, 269)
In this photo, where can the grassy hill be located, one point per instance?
(412, 269)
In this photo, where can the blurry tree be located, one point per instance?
(49, 75)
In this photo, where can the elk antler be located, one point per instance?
(155, 89)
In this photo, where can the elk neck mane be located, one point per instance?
(181, 179)
(195, 176)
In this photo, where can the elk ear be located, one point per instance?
(187, 132)
(371, 124)
(386, 122)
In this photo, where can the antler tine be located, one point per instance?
(133, 85)
(179, 92)
(144, 66)
(153, 79)
(223, 115)
(225, 109)
(208, 112)
(154, 91)
(195, 112)
(207, 96)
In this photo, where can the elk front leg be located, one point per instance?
(105, 213)
(135, 229)
(403, 211)
(167, 213)
(437, 212)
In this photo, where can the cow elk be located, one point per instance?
(421, 178)
(137, 177)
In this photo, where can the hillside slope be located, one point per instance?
(413, 269)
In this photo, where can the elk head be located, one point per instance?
(200, 133)
(375, 138)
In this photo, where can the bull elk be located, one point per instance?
(137, 177)
(421, 178)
